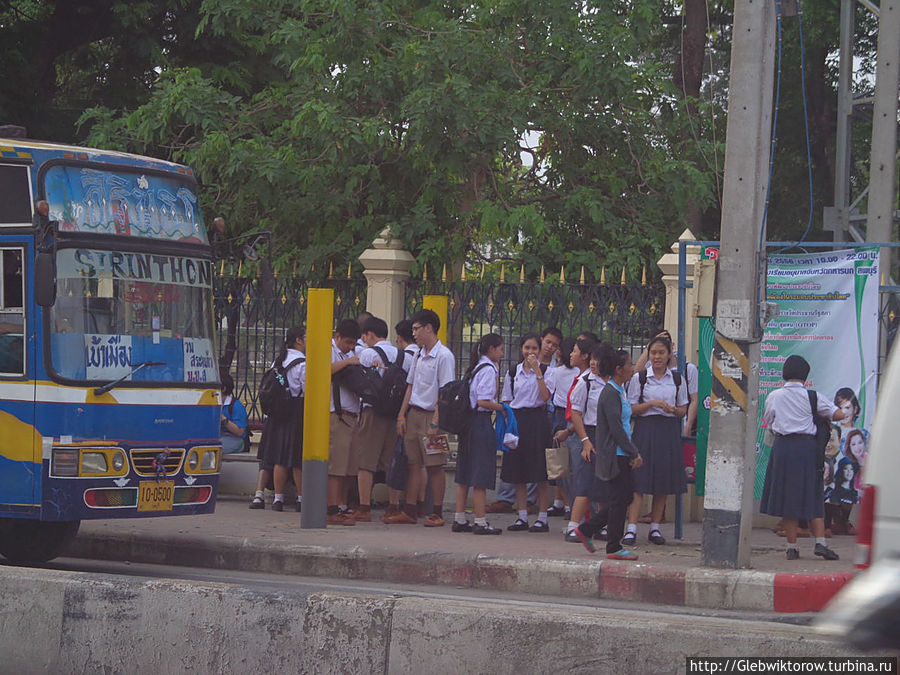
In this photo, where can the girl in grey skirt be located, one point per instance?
(657, 405)
(476, 458)
(793, 489)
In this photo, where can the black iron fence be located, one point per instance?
(625, 315)
(252, 315)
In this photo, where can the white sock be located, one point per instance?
(820, 540)
(260, 494)
(523, 514)
(794, 546)
(542, 517)
(654, 526)
(460, 517)
(279, 496)
(571, 526)
(342, 507)
(631, 529)
(558, 503)
(299, 498)
(481, 521)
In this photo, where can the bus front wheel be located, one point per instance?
(33, 541)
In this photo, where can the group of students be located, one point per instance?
(579, 391)
(361, 440)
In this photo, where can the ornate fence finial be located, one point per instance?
(462, 275)
(603, 275)
(349, 269)
(331, 270)
(444, 273)
(294, 271)
(581, 278)
(542, 274)
(522, 274)
(562, 274)
(482, 272)
(644, 276)
(424, 271)
(258, 270)
(502, 273)
(623, 277)
(240, 267)
(222, 268)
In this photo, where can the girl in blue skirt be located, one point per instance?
(476, 459)
(793, 489)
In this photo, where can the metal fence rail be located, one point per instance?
(252, 315)
(625, 315)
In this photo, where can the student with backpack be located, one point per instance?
(344, 425)
(476, 459)
(376, 439)
(233, 419)
(527, 394)
(282, 436)
(433, 367)
(659, 401)
(793, 489)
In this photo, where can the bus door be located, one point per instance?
(20, 448)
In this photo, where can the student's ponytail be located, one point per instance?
(481, 349)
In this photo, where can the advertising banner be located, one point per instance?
(828, 314)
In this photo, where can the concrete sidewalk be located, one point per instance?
(235, 537)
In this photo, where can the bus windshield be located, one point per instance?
(115, 310)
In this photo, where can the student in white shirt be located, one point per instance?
(527, 394)
(793, 489)
(343, 462)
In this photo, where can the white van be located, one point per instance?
(878, 528)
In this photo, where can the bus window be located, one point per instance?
(15, 202)
(12, 313)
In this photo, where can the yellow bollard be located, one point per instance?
(319, 324)
(438, 305)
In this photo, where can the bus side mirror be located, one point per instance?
(45, 279)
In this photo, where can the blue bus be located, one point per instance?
(109, 385)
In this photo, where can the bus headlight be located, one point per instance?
(93, 462)
(193, 460)
(210, 460)
(118, 461)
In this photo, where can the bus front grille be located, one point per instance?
(142, 461)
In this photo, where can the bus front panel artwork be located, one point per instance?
(109, 384)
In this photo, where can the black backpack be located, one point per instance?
(454, 410)
(823, 428)
(393, 386)
(274, 393)
(642, 378)
(361, 381)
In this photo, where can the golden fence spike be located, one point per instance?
(603, 274)
(522, 274)
(562, 274)
(294, 271)
(623, 277)
(581, 279)
(275, 272)
(462, 276)
(425, 272)
(349, 269)
(444, 273)
(482, 272)
(312, 268)
(542, 274)
(331, 270)
(240, 267)
(258, 266)
(502, 273)
(644, 276)
(222, 268)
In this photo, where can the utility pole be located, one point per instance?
(883, 164)
(731, 459)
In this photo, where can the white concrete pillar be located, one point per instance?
(668, 264)
(386, 268)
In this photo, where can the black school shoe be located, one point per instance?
(278, 506)
(461, 527)
(539, 526)
(519, 526)
(792, 554)
(558, 511)
(486, 529)
(656, 538)
(825, 552)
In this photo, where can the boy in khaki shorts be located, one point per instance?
(377, 437)
(432, 368)
(343, 427)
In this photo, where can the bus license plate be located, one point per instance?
(156, 495)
